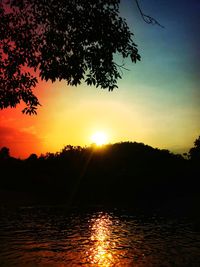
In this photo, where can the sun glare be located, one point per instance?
(99, 138)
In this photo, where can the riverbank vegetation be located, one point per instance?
(121, 174)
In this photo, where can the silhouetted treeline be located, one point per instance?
(117, 174)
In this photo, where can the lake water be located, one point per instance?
(55, 237)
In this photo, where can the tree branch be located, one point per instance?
(121, 66)
(146, 18)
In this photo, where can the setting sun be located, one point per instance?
(99, 138)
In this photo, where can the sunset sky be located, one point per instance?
(157, 102)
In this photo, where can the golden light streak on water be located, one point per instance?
(102, 252)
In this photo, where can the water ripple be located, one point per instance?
(53, 237)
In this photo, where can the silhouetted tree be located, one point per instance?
(120, 173)
(70, 40)
(32, 157)
(194, 153)
(4, 153)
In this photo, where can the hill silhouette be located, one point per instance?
(118, 175)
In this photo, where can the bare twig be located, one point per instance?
(121, 66)
(146, 18)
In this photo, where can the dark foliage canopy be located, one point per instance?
(194, 153)
(117, 175)
(60, 40)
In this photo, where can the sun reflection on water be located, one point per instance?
(102, 251)
(43, 238)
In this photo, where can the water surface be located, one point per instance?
(51, 236)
